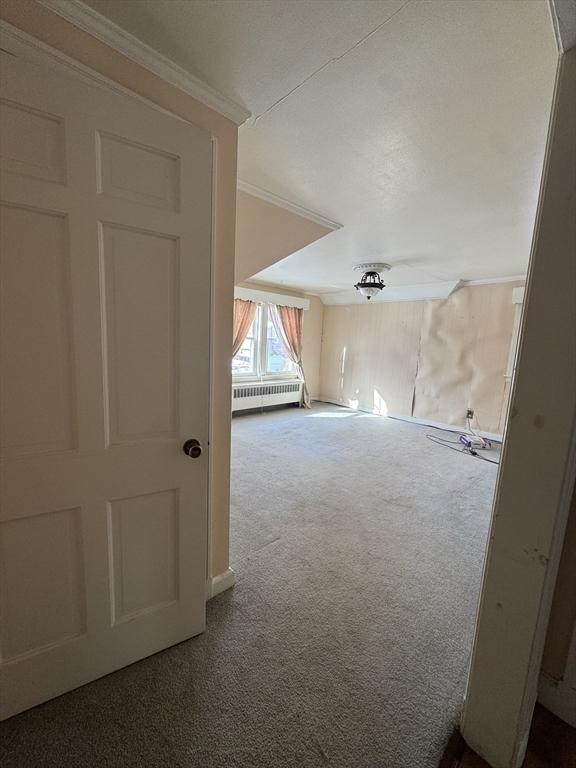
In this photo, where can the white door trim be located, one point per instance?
(18, 42)
(537, 472)
(100, 27)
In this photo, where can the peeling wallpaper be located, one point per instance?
(427, 359)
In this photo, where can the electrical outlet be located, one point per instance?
(470, 413)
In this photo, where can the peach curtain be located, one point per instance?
(244, 312)
(288, 322)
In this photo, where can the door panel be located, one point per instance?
(142, 174)
(144, 528)
(106, 241)
(54, 610)
(37, 411)
(32, 142)
(141, 318)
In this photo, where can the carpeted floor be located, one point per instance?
(358, 548)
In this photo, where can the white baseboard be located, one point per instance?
(496, 437)
(449, 427)
(220, 583)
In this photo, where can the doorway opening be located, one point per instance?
(359, 524)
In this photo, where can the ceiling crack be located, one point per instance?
(362, 40)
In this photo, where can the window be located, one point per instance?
(262, 354)
(277, 361)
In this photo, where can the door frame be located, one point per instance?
(34, 50)
(538, 470)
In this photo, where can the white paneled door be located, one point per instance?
(106, 241)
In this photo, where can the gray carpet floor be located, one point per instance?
(358, 548)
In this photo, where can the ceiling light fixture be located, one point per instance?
(371, 284)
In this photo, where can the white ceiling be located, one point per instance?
(419, 125)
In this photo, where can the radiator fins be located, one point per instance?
(260, 390)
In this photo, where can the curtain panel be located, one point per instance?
(244, 312)
(288, 322)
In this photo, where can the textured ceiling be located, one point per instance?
(420, 125)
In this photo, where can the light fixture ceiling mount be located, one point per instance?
(370, 284)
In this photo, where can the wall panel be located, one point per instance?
(464, 349)
(429, 359)
(370, 355)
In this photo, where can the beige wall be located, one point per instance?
(267, 233)
(427, 359)
(53, 30)
(370, 354)
(464, 349)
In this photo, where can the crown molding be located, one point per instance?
(16, 42)
(299, 210)
(420, 291)
(494, 280)
(415, 292)
(89, 20)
